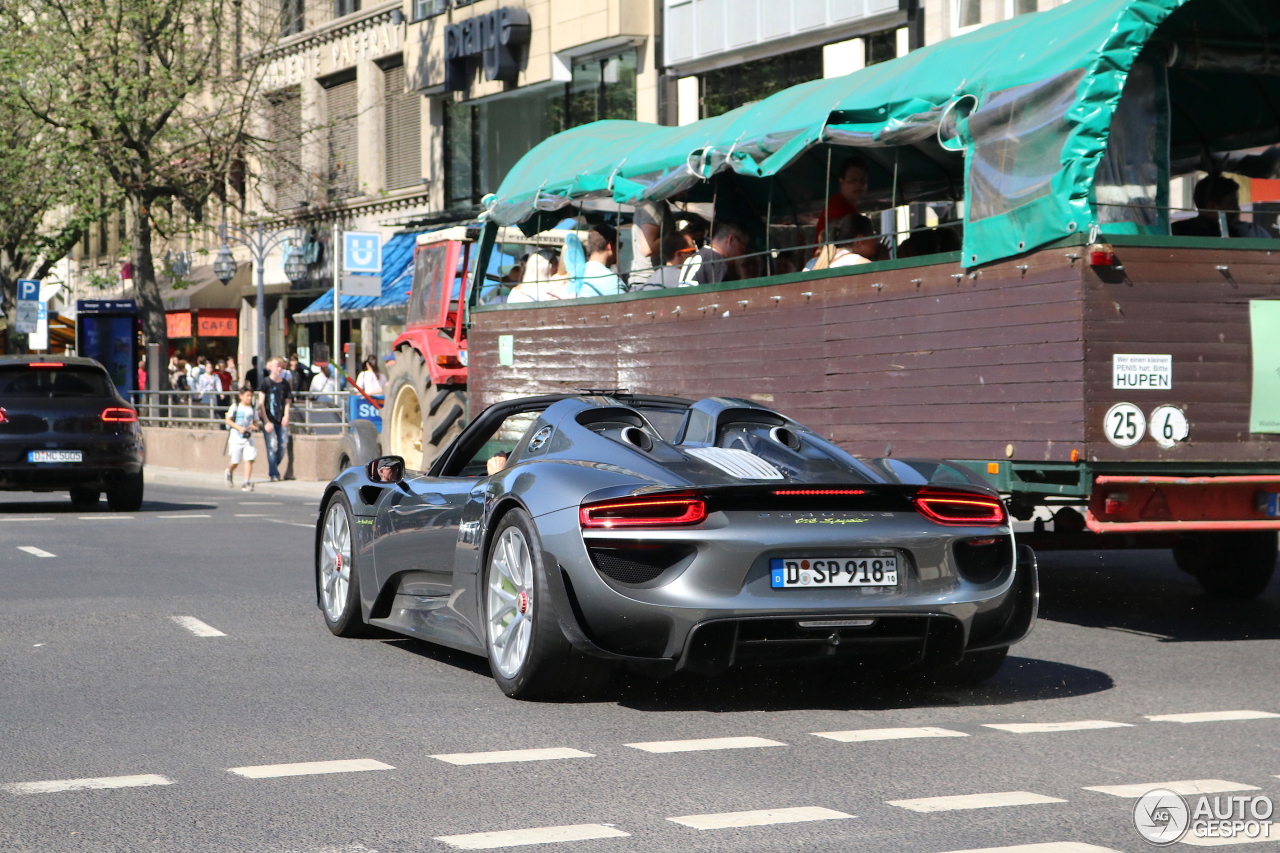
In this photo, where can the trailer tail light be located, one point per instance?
(449, 362)
(118, 415)
(959, 508)
(1102, 255)
(1115, 503)
(670, 510)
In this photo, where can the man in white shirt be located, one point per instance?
(602, 253)
(324, 383)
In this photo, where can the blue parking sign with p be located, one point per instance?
(361, 252)
(29, 289)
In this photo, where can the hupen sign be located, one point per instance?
(495, 36)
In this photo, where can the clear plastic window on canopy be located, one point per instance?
(1131, 187)
(1018, 135)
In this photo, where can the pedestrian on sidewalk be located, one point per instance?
(241, 420)
(275, 399)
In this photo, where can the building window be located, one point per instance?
(345, 7)
(601, 89)
(729, 88)
(284, 164)
(292, 16)
(428, 8)
(403, 129)
(344, 148)
(459, 165)
(1023, 7)
(881, 47)
(968, 13)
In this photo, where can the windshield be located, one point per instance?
(65, 380)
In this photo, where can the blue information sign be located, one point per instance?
(361, 251)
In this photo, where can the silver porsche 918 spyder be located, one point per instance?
(563, 536)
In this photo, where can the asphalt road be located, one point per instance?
(101, 677)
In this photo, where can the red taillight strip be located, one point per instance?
(929, 502)
(819, 491)
(118, 415)
(691, 511)
(46, 364)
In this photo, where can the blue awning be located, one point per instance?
(397, 278)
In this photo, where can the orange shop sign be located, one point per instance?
(218, 323)
(178, 324)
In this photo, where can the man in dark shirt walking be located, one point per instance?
(274, 401)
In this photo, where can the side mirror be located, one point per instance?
(386, 469)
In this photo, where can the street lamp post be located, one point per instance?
(260, 243)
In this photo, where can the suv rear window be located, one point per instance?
(68, 380)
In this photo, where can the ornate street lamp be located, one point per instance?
(260, 244)
(295, 265)
(224, 266)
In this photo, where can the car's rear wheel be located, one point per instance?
(126, 496)
(83, 498)
(337, 582)
(528, 653)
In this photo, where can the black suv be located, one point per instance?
(63, 425)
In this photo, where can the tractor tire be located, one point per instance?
(420, 418)
(1229, 565)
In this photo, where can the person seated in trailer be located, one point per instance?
(710, 264)
(652, 220)
(539, 271)
(933, 241)
(676, 247)
(851, 185)
(1213, 194)
(598, 277)
(853, 241)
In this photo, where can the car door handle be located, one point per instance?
(431, 499)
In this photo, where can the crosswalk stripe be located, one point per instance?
(35, 552)
(704, 743)
(1047, 847)
(195, 626)
(512, 755)
(1189, 786)
(55, 785)
(1077, 725)
(539, 835)
(1211, 716)
(762, 817)
(974, 801)
(309, 768)
(858, 735)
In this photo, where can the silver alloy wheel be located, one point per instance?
(335, 561)
(510, 601)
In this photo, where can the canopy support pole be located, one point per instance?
(893, 201)
(768, 224)
(826, 203)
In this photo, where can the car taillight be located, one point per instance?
(644, 511)
(959, 508)
(45, 364)
(118, 415)
(4, 416)
(819, 491)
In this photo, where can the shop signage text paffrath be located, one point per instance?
(318, 60)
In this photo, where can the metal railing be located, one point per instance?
(311, 413)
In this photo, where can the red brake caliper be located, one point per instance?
(522, 602)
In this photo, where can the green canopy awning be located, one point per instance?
(1030, 102)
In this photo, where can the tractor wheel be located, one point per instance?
(420, 418)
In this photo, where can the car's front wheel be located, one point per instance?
(528, 653)
(337, 583)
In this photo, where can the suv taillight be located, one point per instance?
(961, 509)
(670, 510)
(119, 415)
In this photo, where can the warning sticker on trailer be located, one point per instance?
(1133, 372)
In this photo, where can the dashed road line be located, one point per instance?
(974, 801)
(250, 515)
(705, 744)
(1077, 725)
(858, 735)
(260, 503)
(762, 817)
(26, 518)
(195, 626)
(1211, 716)
(293, 523)
(309, 768)
(540, 835)
(106, 517)
(1188, 786)
(512, 755)
(35, 552)
(1047, 847)
(184, 516)
(56, 785)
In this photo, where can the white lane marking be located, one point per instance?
(184, 516)
(250, 514)
(857, 735)
(974, 801)
(35, 552)
(195, 626)
(1077, 725)
(25, 518)
(105, 517)
(540, 835)
(512, 755)
(1189, 786)
(704, 743)
(1211, 716)
(1194, 840)
(309, 768)
(260, 503)
(763, 817)
(294, 523)
(1048, 847)
(56, 785)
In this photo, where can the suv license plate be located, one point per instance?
(55, 456)
(789, 573)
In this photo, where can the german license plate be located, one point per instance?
(789, 573)
(55, 456)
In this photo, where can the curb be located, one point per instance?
(202, 480)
